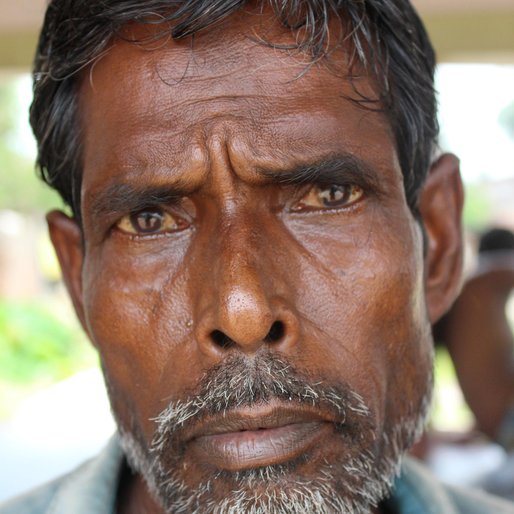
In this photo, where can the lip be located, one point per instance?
(258, 436)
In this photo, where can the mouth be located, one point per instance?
(258, 436)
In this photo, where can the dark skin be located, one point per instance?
(478, 337)
(197, 147)
(479, 340)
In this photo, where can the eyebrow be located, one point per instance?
(120, 198)
(337, 169)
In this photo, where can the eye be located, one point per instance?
(330, 197)
(149, 222)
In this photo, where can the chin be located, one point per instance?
(353, 482)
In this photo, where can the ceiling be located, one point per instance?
(462, 30)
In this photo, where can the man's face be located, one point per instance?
(251, 275)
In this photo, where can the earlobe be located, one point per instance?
(66, 238)
(440, 205)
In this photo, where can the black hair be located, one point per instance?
(386, 36)
(496, 240)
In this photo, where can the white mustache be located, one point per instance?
(242, 382)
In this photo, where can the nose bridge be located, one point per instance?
(245, 305)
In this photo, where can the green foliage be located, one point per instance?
(449, 411)
(36, 346)
(477, 207)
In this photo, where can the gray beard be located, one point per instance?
(352, 484)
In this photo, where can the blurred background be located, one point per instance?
(53, 408)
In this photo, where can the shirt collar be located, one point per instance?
(93, 487)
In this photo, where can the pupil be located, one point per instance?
(148, 221)
(333, 195)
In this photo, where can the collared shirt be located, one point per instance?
(92, 488)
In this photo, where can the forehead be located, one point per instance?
(163, 104)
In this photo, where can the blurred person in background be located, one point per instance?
(478, 337)
(477, 333)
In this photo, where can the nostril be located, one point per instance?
(276, 332)
(221, 339)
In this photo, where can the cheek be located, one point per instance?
(136, 313)
(362, 296)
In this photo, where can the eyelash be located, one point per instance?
(303, 191)
(133, 233)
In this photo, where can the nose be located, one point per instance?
(247, 306)
(247, 319)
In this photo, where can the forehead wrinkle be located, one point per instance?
(256, 92)
(253, 93)
(227, 48)
(209, 71)
(215, 59)
(197, 73)
(215, 107)
(176, 97)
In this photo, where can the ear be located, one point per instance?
(440, 206)
(66, 237)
